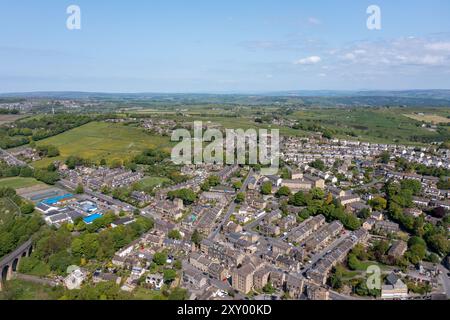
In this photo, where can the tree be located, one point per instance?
(378, 203)
(379, 249)
(52, 151)
(169, 275)
(336, 278)
(240, 197)
(413, 185)
(160, 258)
(79, 189)
(317, 193)
(174, 234)
(438, 212)
(385, 157)
(299, 199)
(205, 186)
(178, 265)
(444, 183)
(304, 214)
(77, 247)
(26, 172)
(318, 164)
(268, 288)
(74, 161)
(213, 180)
(187, 195)
(416, 253)
(364, 213)
(46, 176)
(439, 243)
(90, 245)
(237, 185)
(27, 208)
(329, 199)
(59, 262)
(196, 237)
(266, 188)
(283, 192)
(360, 252)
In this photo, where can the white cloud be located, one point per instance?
(314, 21)
(423, 52)
(309, 60)
(438, 46)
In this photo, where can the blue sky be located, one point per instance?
(223, 46)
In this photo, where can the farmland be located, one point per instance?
(376, 124)
(99, 140)
(429, 118)
(380, 125)
(7, 118)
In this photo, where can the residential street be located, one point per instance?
(231, 209)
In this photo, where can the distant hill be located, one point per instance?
(325, 98)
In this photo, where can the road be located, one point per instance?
(231, 209)
(370, 184)
(253, 224)
(321, 254)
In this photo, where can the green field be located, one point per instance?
(100, 140)
(244, 123)
(380, 125)
(146, 294)
(18, 183)
(150, 182)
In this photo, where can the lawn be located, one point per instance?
(100, 140)
(147, 294)
(18, 183)
(150, 182)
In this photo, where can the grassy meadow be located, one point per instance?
(379, 125)
(18, 182)
(100, 140)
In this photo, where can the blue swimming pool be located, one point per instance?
(92, 218)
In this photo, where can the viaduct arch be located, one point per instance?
(10, 263)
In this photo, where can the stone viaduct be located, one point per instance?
(10, 263)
